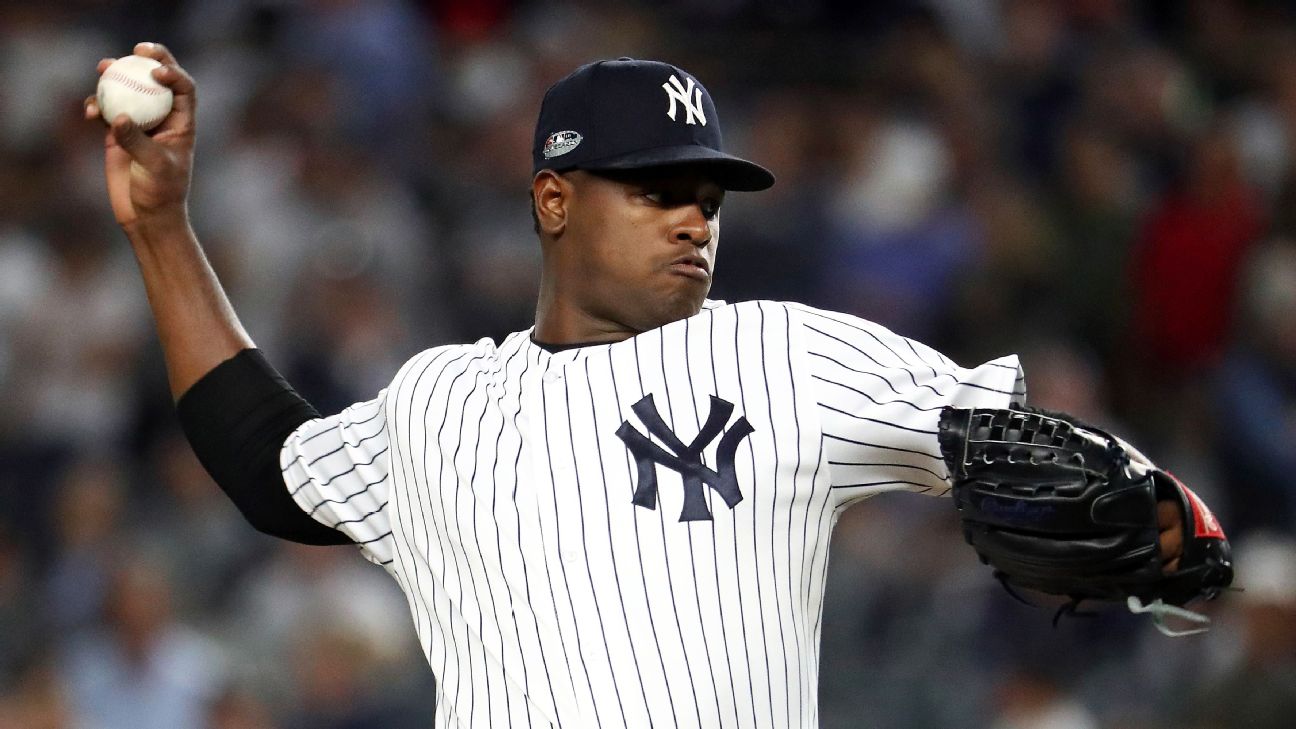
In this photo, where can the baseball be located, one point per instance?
(127, 87)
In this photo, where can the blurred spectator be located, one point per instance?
(1032, 701)
(906, 608)
(24, 273)
(16, 608)
(1036, 72)
(302, 588)
(785, 233)
(1259, 690)
(1100, 198)
(44, 54)
(898, 240)
(305, 599)
(1189, 256)
(239, 710)
(183, 514)
(350, 341)
(1007, 296)
(1255, 396)
(141, 669)
(81, 332)
(380, 51)
(311, 209)
(1065, 377)
(37, 701)
(86, 525)
(340, 679)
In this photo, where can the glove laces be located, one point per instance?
(1160, 610)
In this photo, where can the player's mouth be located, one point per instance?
(692, 266)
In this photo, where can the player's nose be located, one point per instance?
(693, 227)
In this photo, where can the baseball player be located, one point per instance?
(621, 516)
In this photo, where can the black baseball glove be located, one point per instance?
(1062, 507)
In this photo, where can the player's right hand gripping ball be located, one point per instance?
(1064, 508)
(127, 87)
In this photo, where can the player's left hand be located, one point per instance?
(1067, 509)
(1170, 523)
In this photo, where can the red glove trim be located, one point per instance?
(1205, 525)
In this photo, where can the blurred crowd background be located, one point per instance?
(1106, 187)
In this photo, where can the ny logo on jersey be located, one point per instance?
(690, 96)
(686, 460)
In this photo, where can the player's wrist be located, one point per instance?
(159, 225)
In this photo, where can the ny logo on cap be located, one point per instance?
(686, 460)
(690, 96)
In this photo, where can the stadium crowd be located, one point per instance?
(1107, 187)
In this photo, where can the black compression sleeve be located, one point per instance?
(237, 418)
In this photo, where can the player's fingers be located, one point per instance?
(137, 144)
(174, 77)
(1171, 545)
(91, 103)
(156, 51)
(183, 90)
(1169, 515)
(1170, 522)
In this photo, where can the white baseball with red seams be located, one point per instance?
(127, 87)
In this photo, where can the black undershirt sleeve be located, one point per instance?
(237, 418)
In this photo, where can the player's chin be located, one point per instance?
(680, 304)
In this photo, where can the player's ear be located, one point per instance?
(550, 194)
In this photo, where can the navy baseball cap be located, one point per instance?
(630, 114)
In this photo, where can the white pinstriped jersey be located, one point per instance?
(633, 534)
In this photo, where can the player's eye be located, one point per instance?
(710, 208)
(656, 197)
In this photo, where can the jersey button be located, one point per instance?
(552, 377)
(570, 556)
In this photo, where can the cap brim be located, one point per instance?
(728, 171)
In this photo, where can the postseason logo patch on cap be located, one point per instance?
(560, 143)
